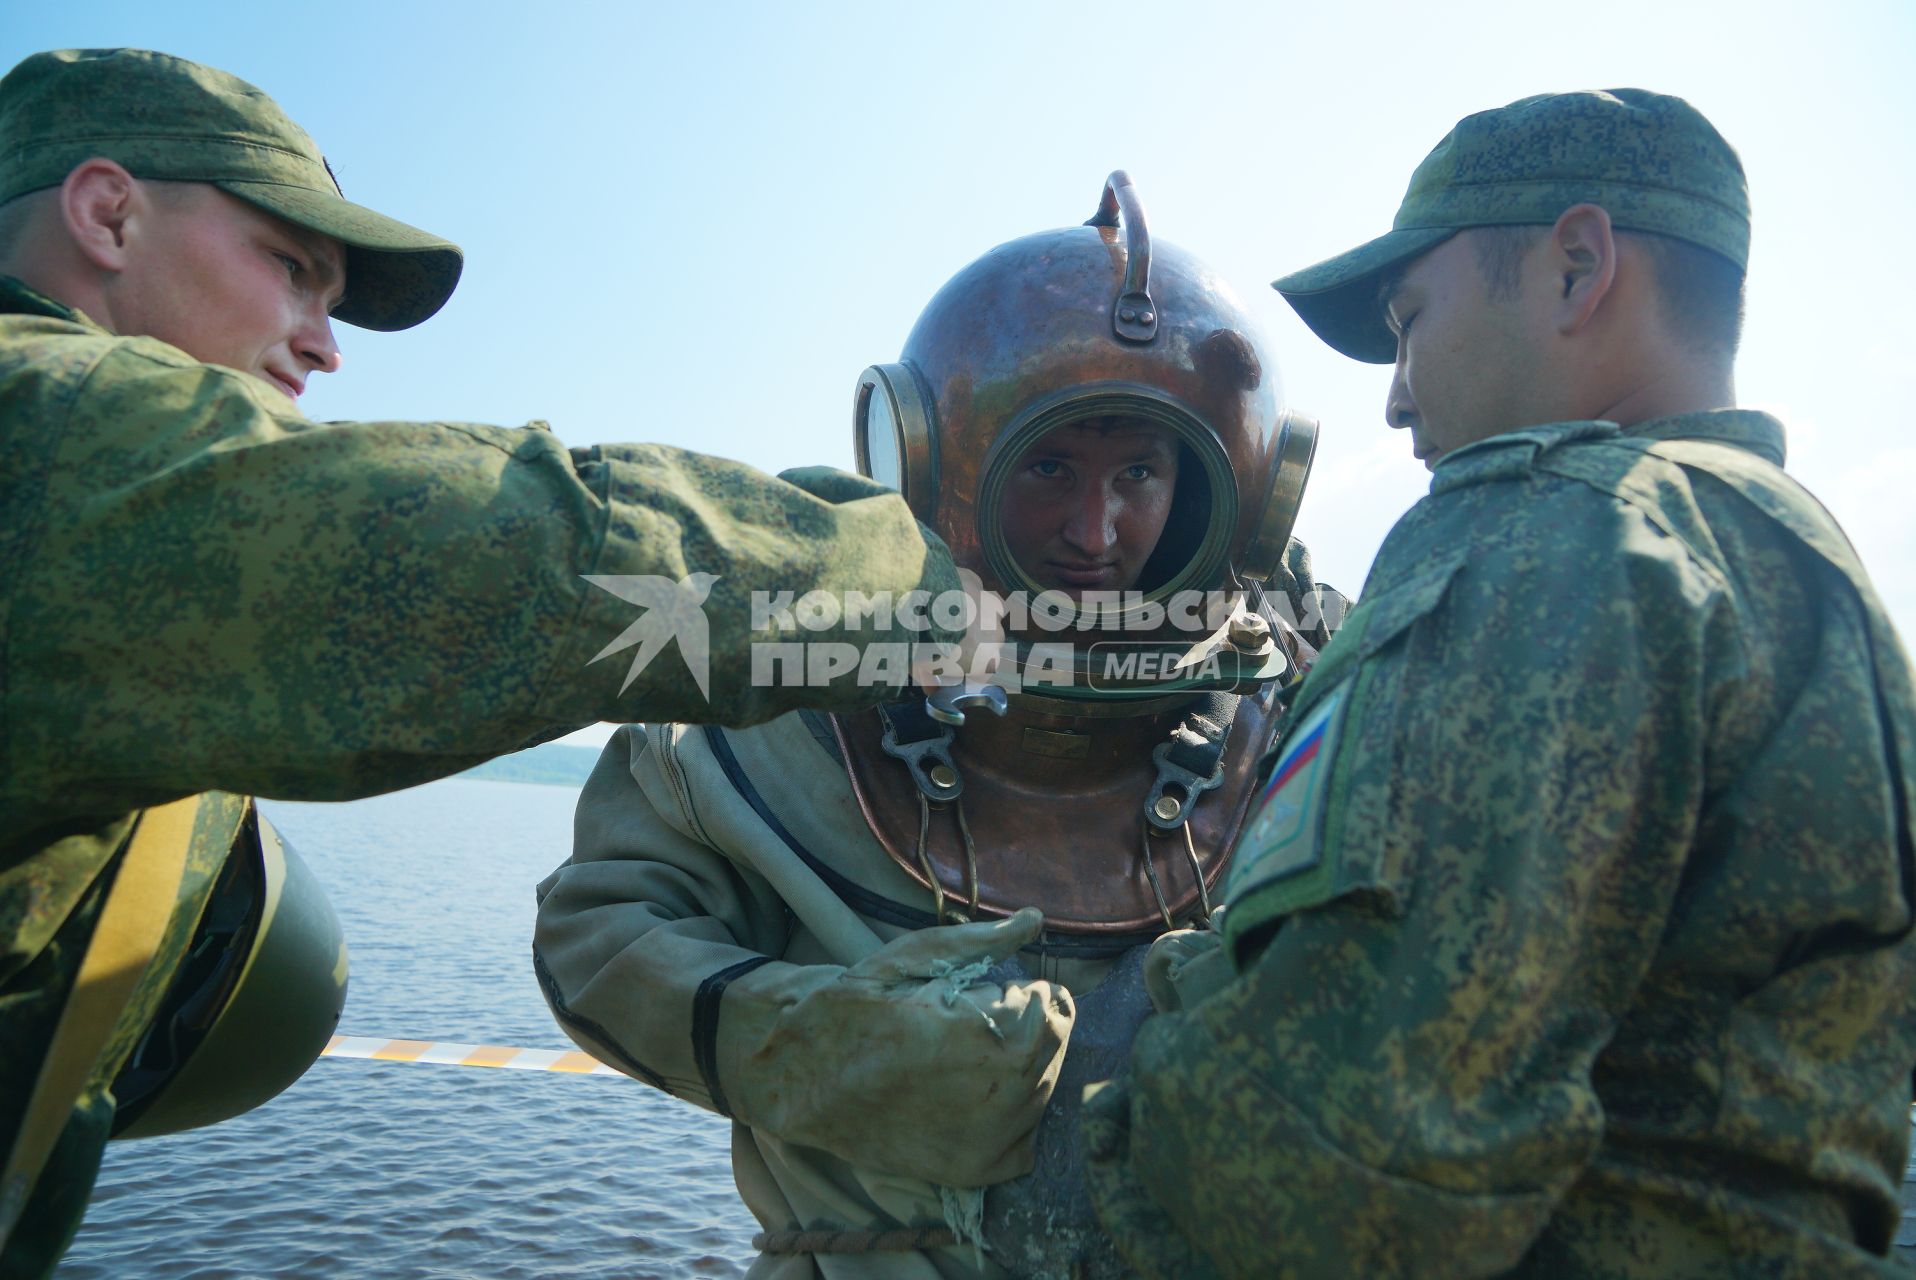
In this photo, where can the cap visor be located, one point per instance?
(1338, 298)
(396, 275)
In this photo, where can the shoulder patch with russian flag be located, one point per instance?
(1286, 827)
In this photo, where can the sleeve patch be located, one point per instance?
(1285, 834)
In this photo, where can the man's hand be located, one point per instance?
(911, 1061)
(1184, 967)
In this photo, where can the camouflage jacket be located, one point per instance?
(1573, 937)
(202, 590)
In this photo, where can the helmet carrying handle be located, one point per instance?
(1134, 317)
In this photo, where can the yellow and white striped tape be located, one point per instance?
(447, 1053)
(566, 1061)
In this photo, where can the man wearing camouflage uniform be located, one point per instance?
(1573, 936)
(200, 589)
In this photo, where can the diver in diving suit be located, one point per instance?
(892, 948)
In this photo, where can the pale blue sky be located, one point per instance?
(697, 224)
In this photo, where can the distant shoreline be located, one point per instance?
(551, 764)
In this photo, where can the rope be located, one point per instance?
(896, 1240)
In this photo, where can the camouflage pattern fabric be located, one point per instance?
(1651, 160)
(1587, 950)
(33, 997)
(200, 589)
(165, 118)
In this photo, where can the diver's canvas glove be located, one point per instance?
(1184, 967)
(913, 1061)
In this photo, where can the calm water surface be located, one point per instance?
(401, 1170)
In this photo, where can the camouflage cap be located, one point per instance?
(1650, 160)
(166, 118)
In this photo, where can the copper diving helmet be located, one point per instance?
(1110, 805)
(1084, 322)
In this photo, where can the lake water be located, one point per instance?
(403, 1170)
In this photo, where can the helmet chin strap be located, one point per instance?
(1191, 761)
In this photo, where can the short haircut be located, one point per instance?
(16, 213)
(1701, 291)
(14, 216)
(1500, 255)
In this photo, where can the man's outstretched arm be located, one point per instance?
(384, 603)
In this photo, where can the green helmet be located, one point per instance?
(254, 1003)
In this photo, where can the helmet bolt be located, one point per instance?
(1145, 317)
(1128, 314)
(1248, 631)
(1167, 808)
(944, 777)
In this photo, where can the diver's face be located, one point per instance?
(1085, 506)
